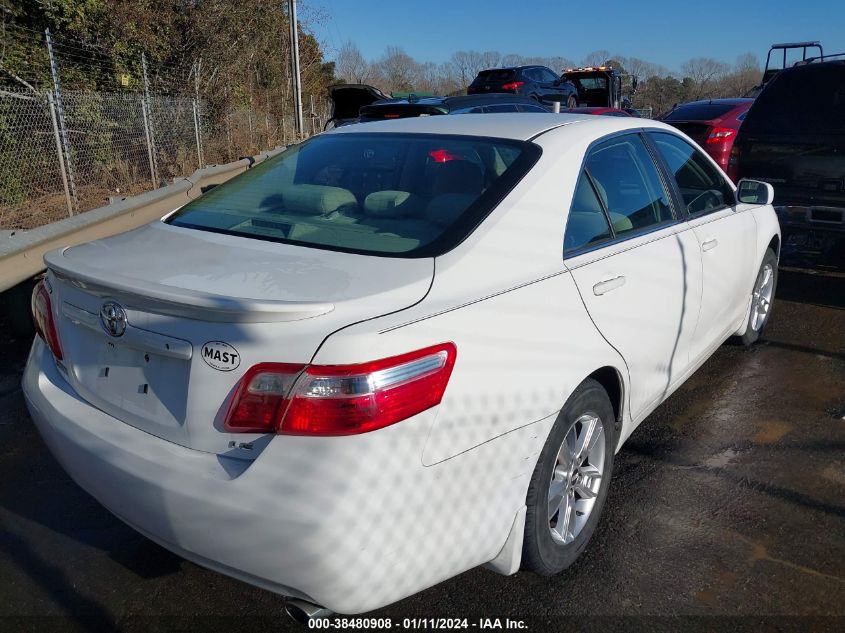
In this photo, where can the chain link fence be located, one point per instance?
(76, 131)
(118, 144)
(30, 167)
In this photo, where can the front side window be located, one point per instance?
(628, 183)
(702, 187)
(412, 195)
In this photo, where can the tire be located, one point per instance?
(572, 102)
(762, 296)
(543, 552)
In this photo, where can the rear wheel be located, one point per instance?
(570, 482)
(761, 298)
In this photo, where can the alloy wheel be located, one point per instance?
(576, 478)
(761, 299)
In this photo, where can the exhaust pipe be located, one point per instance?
(305, 612)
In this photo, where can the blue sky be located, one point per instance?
(659, 31)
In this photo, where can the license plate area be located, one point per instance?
(143, 388)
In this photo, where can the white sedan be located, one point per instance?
(399, 350)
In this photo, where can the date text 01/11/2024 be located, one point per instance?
(417, 623)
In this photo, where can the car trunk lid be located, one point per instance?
(199, 309)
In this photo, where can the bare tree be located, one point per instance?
(399, 70)
(490, 59)
(512, 59)
(467, 65)
(745, 75)
(596, 58)
(705, 73)
(644, 69)
(351, 65)
(559, 64)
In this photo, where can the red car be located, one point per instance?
(597, 110)
(713, 124)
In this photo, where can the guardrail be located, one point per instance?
(22, 253)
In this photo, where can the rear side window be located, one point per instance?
(627, 181)
(808, 99)
(527, 107)
(548, 76)
(699, 111)
(501, 107)
(702, 187)
(587, 223)
(413, 195)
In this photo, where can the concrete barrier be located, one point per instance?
(22, 252)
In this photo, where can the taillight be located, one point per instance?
(513, 85)
(719, 134)
(42, 316)
(261, 397)
(340, 399)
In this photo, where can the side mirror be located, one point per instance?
(755, 192)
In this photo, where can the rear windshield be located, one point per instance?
(809, 99)
(405, 195)
(495, 75)
(699, 111)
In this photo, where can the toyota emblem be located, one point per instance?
(113, 319)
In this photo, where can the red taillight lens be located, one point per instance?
(719, 134)
(341, 399)
(42, 316)
(261, 397)
(513, 85)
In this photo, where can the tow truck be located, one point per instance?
(600, 86)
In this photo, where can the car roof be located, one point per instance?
(523, 67)
(460, 101)
(737, 101)
(516, 126)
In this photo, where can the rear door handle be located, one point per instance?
(709, 244)
(608, 284)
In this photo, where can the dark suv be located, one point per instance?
(537, 82)
(794, 138)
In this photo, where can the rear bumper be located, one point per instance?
(350, 523)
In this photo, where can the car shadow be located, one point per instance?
(812, 286)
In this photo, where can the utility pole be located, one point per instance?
(294, 60)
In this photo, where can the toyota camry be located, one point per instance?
(397, 351)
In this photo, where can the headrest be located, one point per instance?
(392, 204)
(446, 208)
(458, 176)
(621, 223)
(317, 199)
